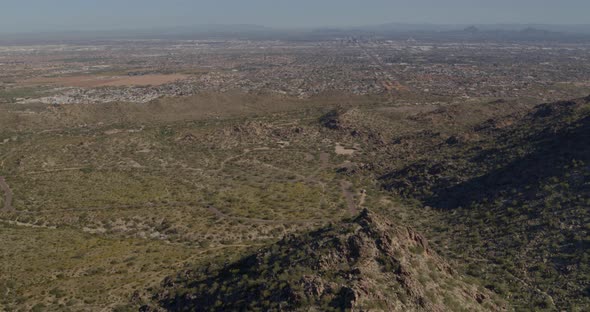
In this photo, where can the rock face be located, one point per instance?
(365, 264)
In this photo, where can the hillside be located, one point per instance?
(519, 197)
(366, 263)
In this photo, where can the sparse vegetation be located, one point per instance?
(240, 185)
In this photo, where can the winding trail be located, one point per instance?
(324, 163)
(324, 160)
(55, 170)
(298, 175)
(111, 207)
(518, 279)
(7, 195)
(219, 214)
(346, 185)
(244, 153)
(229, 159)
(363, 198)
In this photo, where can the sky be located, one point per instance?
(58, 15)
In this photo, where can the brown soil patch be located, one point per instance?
(341, 150)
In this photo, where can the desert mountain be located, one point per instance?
(364, 264)
(519, 196)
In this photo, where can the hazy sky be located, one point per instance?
(48, 15)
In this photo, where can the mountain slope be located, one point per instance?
(367, 263)
(520, 197)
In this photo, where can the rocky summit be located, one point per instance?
(363, 264)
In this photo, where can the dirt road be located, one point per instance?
(7, 195)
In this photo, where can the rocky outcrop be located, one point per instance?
(364, 264)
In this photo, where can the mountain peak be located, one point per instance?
(366, 263)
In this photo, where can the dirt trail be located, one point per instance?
(518, 279)
(363, 199)
(229, 159)
(273, 167)
(345, 185)
(244, 153)
(30, 225)
(7, 195)
(55, 170)
(219, 214)
(324, 163)
(111, 207)
(324, 160)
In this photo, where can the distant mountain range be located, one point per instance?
(404, 27)
(249, 31)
